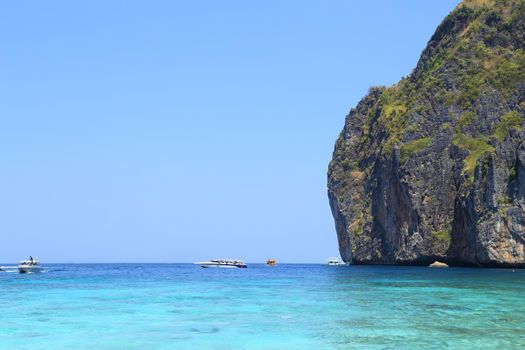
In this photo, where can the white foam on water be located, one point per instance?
(14, 269)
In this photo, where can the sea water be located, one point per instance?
(182, 306)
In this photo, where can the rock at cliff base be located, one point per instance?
(438, 264)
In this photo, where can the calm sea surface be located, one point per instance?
(181, 306)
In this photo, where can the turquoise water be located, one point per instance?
(181, 306)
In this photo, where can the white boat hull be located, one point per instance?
(222, 266)
(335, 262)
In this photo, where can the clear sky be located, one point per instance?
(165, 131)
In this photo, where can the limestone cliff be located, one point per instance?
(433, 168)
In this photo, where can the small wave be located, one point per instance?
(33, 273)
(205, 331)
(14, 269)
(8, 269)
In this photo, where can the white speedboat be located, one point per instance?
(334, 261)
(222, 263)
(31, 265)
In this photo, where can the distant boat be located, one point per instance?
(335, 261)
(222, 263)
(31, 265)
(271, 262)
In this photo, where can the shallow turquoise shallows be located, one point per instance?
(181, 306)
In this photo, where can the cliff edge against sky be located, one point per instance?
(433, 168)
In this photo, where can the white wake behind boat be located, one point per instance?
(29, 266)
(222, 263)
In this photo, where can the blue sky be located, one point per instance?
(164, 131)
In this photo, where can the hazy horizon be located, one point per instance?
(179, 132)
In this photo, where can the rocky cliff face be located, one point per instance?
(433, 168)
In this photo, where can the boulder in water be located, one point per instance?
(438, 264)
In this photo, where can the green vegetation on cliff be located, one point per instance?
(508, 121)
(479, 56)
(440, 236)
(413, 147)
(477, 148)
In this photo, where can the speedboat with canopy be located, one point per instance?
(31, 265)
(222, 263)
